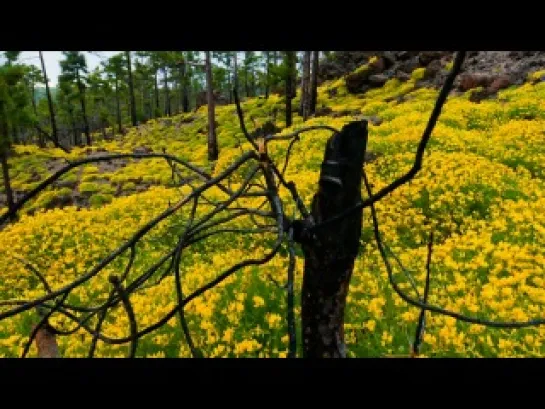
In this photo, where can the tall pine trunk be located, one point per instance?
(83, 109)
(118, 105)
(77, 142)
(267, 62)
(131, 89)
(290, 81)
(54, 135)
(156, 85)
(167, 93)
(5, 177)
(212, 140)
(305, 87)
(235, 71)
(185, 89)
(314, 82)
(4, 149)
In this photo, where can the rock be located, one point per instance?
(402, 76)
(67, 183)
(409, 66)
(478, 96)
(426, 57)
(345, 112)
(142, 150)
(375, 120)
(356, 81)
(389, 59)
(433, 69)
(501, 82)
(377, 80)
(379, 65)
(470, 81)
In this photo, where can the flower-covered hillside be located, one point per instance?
(481, 190)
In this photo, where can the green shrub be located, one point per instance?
(100, 199)
(89, 187)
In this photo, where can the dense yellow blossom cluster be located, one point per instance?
(481, 190)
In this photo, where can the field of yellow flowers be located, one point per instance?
(481, 190)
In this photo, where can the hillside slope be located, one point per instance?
(481, 190)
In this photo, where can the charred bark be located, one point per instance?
(330, 252)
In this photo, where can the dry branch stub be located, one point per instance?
(331, 252)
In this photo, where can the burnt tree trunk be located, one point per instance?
(314, 82)
(212, 140)
(54, 135)
(330, 253)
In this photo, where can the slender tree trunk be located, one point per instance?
(246, 83)
(33, 96)
(4, 149)
(305, 87)
(212, 140)
(15, 135)
(229, 80)
(74, 129)
(5, 177)
(167, 94)
(156, 84)
(290, 81)
(314, 82)
(253, 85)
(118, 105)
(185, 89)
(235, 72)
(50, 104)
(143, 99)
(267, 62)
(83, 110)
(131, 89)
(330, 254)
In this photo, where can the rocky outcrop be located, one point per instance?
(490, 71)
